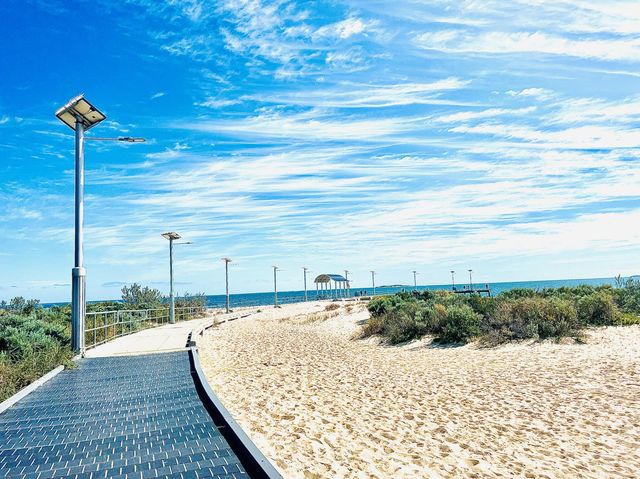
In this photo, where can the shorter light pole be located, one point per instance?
(453, 280)
(305, 269)
(346, 276)
(415, 281)
(172, 236)
(275, 286)
(226, 280)
(373, 282)
(470, 280)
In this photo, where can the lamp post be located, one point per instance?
(80, 115)
(275, 287)
(172, 236)
(373, 282)
(346, 276)
(305, 269)
(226, 279)
(453, 281)
(470, 280)
(415, 282)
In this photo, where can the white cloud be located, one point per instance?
(157, 95)
(343, 29)
(539, 93)
(460, 41)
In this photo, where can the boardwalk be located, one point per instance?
(119, 417)
(137, 407)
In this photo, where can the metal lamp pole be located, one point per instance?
(453, 280)
(305, 269)
(373, 282)
(171, 236)
(470, 280)
(226, 280)
(275, 287)
(78, 273)
(415, 283)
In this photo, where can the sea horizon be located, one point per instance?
(265, 298)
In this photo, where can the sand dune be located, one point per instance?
(321, 405)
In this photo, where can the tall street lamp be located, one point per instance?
(172, 236)
(470, 280)
(80, 115)
(226, 280)
(373, 281)
(453, 280)
(415, 281)
(305, 270)
(275, 286)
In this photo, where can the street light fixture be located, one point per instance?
(226, 277)
(470, 280)
(126, 139)
(172, 236)
(453, 280)
(415, 282)
(79, 115)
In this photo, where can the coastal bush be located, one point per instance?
(332, 307)
(459, 325)
(29, 348)
(532, 317)
(597, 309)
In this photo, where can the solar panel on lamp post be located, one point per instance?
(80, 115)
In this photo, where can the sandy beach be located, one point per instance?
(320, 404)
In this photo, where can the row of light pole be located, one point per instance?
(453, 279)
(80, 115)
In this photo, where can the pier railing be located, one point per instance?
(103, 326)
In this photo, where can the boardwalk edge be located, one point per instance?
(25, 391)
(254, 462)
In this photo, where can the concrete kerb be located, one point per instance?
(254, 462)
(7, 403)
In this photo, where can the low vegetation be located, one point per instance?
(35, 340)
(514, 315)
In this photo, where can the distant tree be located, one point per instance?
(17, 304)
(3, 304)
(141, 297)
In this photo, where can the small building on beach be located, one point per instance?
(330, 286)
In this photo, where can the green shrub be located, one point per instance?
(400, 327)
(460, 325)
(597, 309)
(379, 306)
(526, 318)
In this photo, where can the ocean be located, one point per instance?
(284, 297)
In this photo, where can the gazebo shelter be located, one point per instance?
(331, 286)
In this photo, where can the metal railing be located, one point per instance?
(103, 326)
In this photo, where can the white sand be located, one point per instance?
(321, 405)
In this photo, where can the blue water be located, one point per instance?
(284, 297)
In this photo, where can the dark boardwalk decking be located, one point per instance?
(119, 417)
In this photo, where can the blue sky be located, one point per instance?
(428, 135)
